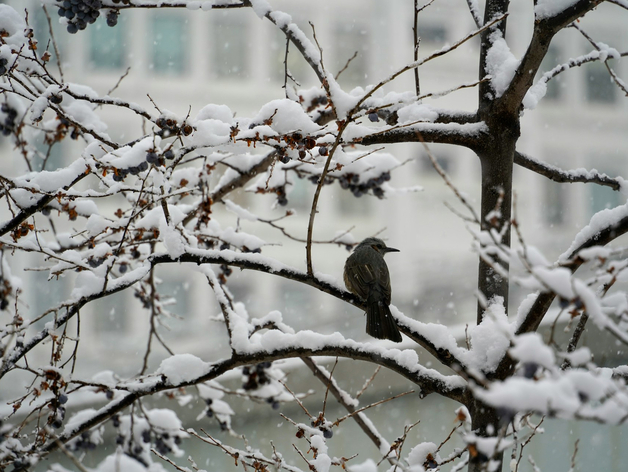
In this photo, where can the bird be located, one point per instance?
(366, 275)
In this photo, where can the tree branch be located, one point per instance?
(566, 176)
(261, 264)
(543, 300)
(428, 380)
(341, 397)
(36, 207)
(544, 31)
(467, 134)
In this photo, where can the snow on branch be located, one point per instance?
(420, 62)
(71, 309)
(567, 176)
(437, 341)
(606, 53)
(559, 15)
(272, 346)
(605, 227)
(475, 12)
(465, 134)
(538, 90)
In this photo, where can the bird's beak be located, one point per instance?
(390, 249)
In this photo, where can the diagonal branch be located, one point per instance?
(600, 48)
(18, 352)
(367, 427)
(501, 19)
(36, 207)
(544, 30)
(537, 311)
(475, 12)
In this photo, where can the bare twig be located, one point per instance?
(575, 337)
(575, 452)
(331, 376)
(54, 42)
(526, 442)
(169, 461)
(300, 403)
(360, 410)
(368, 382)
(344, 68)
(401, 442)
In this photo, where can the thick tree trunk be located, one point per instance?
(485, 422)
(497, 165)
(496, 155)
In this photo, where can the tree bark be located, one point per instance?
(496, 159)
(485, 422)
(496, 154)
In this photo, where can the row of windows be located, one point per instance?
(170, 52)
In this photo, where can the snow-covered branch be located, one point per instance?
(186, 370)
(567, 176)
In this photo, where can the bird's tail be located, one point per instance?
(380, 322)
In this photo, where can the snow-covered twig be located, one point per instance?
(475, 12)
(602, 48)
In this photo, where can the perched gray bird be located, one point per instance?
(366, 275)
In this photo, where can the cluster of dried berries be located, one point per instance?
(169, 127)
(8, 125)
(255, 376)
(352, 182)
(81, 13)
(4, 65)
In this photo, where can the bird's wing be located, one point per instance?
(360, 278)
(383, 283)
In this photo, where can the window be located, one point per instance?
(49, 157)
(427, 168)
(432, 33)
(299, 197)
(352, 205)
(297, 66)
(169, 40)
(42, 34)
(551, 60)
(297, 304)
(230, 46)
(107, 45)
(601, 197)
(599, 86)
(351, 40)
(176, 297)
(555, 201)
(51, 293)
(111, 316)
